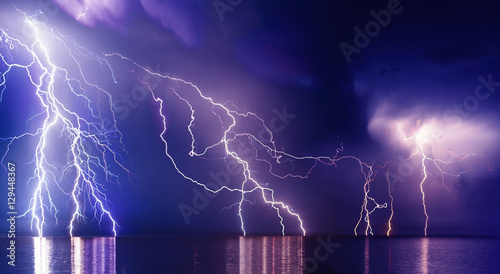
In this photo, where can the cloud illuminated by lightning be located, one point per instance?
(439, 146)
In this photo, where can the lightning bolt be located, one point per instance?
(389, 222)
(424, 172)
(421, 138)
(91, 145)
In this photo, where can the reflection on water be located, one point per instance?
(424, 264)
(367, 255)
(81, 255)
(265, 255)
(392, 255)
(254, 255)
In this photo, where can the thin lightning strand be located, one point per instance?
(389, 222)
(365, 211)
(424, 171)
(90, 168)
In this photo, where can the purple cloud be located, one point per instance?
(93, 12)
(182, 17)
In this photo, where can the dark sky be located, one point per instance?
(265, 56)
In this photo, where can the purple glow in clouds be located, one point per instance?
(435, 132)
(176, 16)
(93, 12)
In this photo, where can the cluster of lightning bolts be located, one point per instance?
(87, 167)
(230, 134)
(91, 148)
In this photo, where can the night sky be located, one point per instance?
(304, 66)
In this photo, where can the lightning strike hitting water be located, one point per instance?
(89, 147)
(389, 222)
(425, 147)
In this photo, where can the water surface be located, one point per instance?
(326, 254)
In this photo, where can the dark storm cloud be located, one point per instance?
(449, 56)
(185, 18)
(438, 51)
(386, 70)
(265, 45)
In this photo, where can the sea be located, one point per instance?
(252, 254)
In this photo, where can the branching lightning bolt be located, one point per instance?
(91, 146)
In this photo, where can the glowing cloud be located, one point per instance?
(437, 142)
(172, 15)
(92, 12)
(436, 133)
